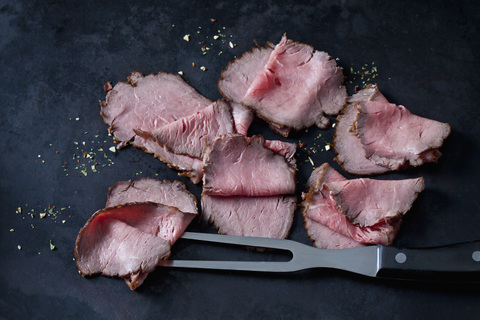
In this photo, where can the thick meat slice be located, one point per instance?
(373, 136)
(173, 194)
(128, 241)
(349, 149)
(147, 103)
(192, 134)
(394, 138)
(240, 73)
(235, 167)
(296, 87)
(270, 217)
(365, 210)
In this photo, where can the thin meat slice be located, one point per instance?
(325, 238)
(147, 103)
(242, 117)
(349, 150)
(187, 166)
(237, 167)
(192, 134)
(393, 137)
(285, 149)
(322, 236)
(374, 136)
(365, 210)
(240, 73)
(296, 88)
(128, 241)
(366, 201)
(173, 194)
(270, 217)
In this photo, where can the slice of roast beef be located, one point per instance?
(373, 136)
(240, 73)
(365, 210)
(349, 150)
(129, 240)
(395, 138)
(192, 134)
(186, 165)
(147, 103)
(285, 149)
(234, 166)
(270, 217)
(325, 238)
(173, 194)
(296, 88)
(242, 117)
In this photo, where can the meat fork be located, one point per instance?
(457, 262)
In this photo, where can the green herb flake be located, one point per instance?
(52, 246)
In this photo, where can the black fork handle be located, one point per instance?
(458, 262)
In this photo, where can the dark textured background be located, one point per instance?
(55, 57)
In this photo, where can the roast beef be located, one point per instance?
(373, 136)
(192, 134)
(147, 103)
(234, 166)
(242, 117)
(239, 74)
(174, 194)
(325, 238)
(348, 148)
(186, 165)
(394, 138)
(164, 209)
(129, 240)
(270, 217)
(365, 210)
(296, 88)
(285, 149)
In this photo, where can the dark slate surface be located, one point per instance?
(55, 57)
